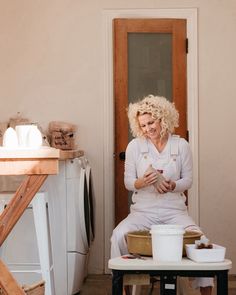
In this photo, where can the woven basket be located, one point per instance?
(140, 242)
(36, 289)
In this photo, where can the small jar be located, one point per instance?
(34, 137)
(10, 138)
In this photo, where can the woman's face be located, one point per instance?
(151, 127)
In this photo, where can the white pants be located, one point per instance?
(137, 220)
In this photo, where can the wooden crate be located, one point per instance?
(36, 289)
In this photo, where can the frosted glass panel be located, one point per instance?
(149, 65)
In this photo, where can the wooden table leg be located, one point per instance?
(11, 214)
(7, 282)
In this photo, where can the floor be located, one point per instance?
(101, 285)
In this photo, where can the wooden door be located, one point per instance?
(127, 34)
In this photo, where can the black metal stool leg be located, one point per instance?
(117, 282)
(222, 283)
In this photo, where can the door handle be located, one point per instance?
(122, 156)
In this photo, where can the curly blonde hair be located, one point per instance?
(159, 108)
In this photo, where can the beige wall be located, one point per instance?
(51, 65)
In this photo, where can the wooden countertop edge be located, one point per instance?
(44, 152)
(70, 154)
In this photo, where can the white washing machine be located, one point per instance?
(80, 222)
(71, 199)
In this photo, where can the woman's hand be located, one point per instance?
(165, 186)
(172, 185)
(155, 178)
(147, 179)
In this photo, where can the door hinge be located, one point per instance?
(186, 45)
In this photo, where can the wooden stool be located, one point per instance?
(168, 272)
(39, 205)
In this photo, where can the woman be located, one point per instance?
(158, 194)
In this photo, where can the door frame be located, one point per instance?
(190, 14)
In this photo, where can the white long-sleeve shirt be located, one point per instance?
(175, 161)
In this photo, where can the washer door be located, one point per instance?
(85, 215)
(78, 216)
(91, 201)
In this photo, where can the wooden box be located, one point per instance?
(62, 135)
(63, 140)
(37, 289)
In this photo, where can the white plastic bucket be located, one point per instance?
(167, 242)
